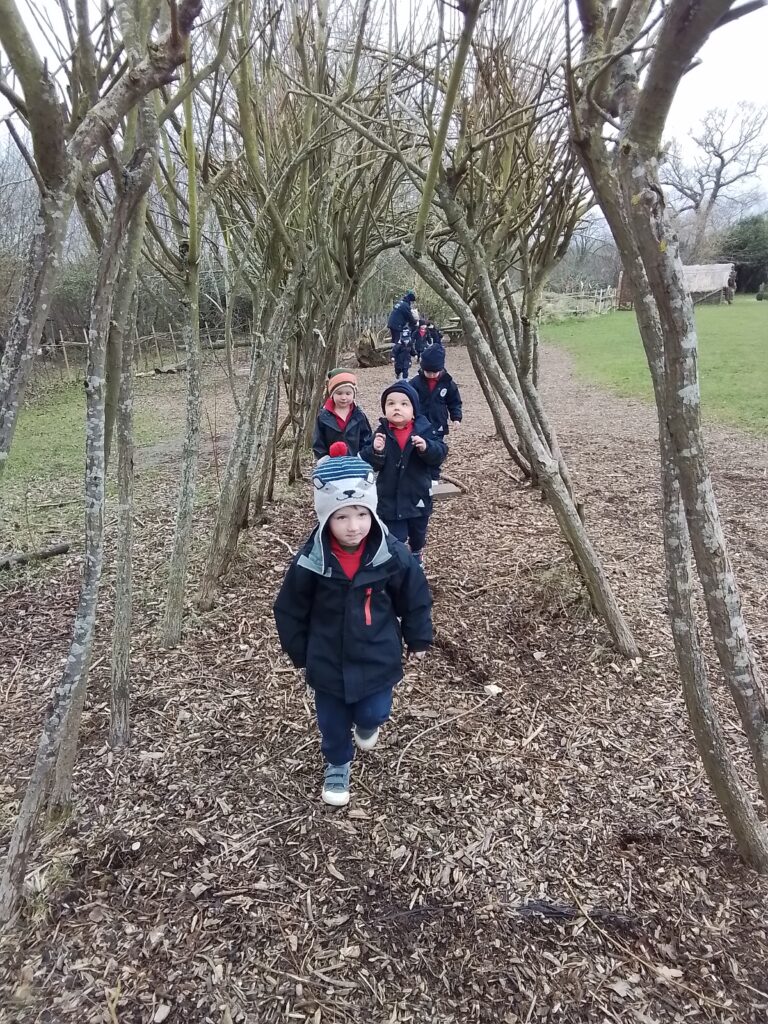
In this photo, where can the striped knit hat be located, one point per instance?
(341, 480)
(338, 378)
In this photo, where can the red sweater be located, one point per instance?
(332, 410)
(348, 560)
(402, 434)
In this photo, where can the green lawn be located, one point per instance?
(733, 358)
(50, 436)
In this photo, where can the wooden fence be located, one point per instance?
(63, 357)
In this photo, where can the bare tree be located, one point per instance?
(632, 60)
(63, 146)
(731, 151)
(499, 193)
(64, 716)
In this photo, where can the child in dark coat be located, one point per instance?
(402, 316)
(349, 600)
(404, 450)
(402, 350)
(438, 393)
(420, 340)
(341, 419)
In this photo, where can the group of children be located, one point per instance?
(411, 335)
(356, 591)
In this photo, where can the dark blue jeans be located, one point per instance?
(410, 531)
(335, 719)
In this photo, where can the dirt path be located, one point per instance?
(551, 852)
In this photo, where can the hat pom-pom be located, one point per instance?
(338, 448)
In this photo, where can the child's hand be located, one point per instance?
(418, 655)
(418, 443)
(455, 424)
(379, 443)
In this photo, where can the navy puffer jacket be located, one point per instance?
(404, 479)
(401, 316)
(356, 434)
(349, 634)
(442, 402)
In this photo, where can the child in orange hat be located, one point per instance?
(341, 419)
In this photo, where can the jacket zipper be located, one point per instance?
(368, 592)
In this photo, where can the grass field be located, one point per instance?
(733, 358)
(50, 436)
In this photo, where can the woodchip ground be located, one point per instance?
(550, 852)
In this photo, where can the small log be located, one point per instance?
(456, 483)
(22, 557)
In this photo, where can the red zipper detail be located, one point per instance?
(368, 592)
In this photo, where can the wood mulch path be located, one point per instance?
(533, 839)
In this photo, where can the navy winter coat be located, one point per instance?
(405, 479)
(403, 346)
(346, 632)
(435, 337)
(440, 403)
(420, 342)
(356, 434)
(401, 316)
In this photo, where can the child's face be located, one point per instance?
(432, 374)
(350, 525)
(344, 397)
(398, 409)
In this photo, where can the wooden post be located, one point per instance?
(143, 353)
(64, 353)
(157, 348)
(175, 346)
(136, 347)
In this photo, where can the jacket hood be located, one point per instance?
(313, 557)
(405, 388)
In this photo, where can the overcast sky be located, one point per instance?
(734, 67)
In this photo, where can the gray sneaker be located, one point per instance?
(366, 739)
(336, 784)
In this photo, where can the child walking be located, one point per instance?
(404, 450)
(402, 350)
(341, 419)
(438, 393)
(420, 340)
(349, 600)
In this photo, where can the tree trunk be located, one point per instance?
(182, 539)
(498, 413)
(120, 700)
(544, 464)
(62, 724)
(631, 202)
(681, 410)
(248, 462)
(39, 277)
(236, 483)
(749, 832)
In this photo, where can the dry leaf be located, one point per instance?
(621, 988)
(667, 973)
(333, 870)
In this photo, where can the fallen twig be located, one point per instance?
(22, 557)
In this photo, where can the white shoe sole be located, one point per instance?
(335, 799)
(366, 744)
